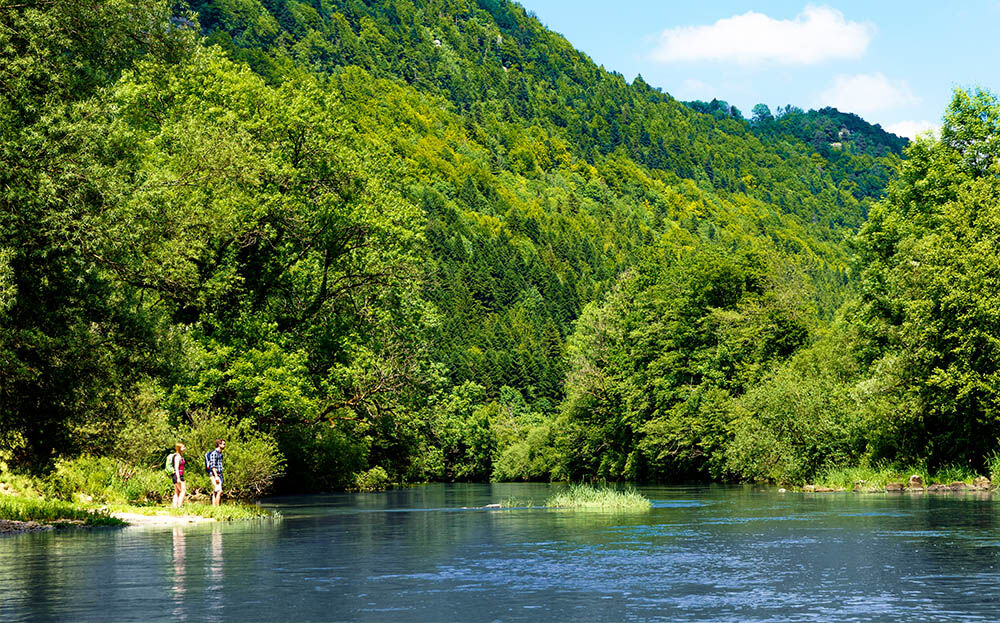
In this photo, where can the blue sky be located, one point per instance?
(893, 63)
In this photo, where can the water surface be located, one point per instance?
(701, 554)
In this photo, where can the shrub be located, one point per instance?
(17, 484)
(107, 480)
(375, 479)
(145, 433)
(251, 460)
(531, 457)
(800, 422)
(320, 458)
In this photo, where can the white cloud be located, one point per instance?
(865, 94)
(815, 35)
(910, 129)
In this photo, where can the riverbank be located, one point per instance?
(27, 505)
(24, 514)
(889, 479)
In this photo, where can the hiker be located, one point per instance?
(213, 463)
(176, 462)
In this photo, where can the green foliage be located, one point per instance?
(374, 479)
(18, 484)
(52, 511)
(911, 379)
(993, 467)
(107, 480)
(802, 420)
(527, 452)
(868, 478)
(587, 497)
(319, 458)
(484, 257)
(464, 431)
(70, 347)
(928, 312)
(251, 460)
(146, 435)
(650, 383)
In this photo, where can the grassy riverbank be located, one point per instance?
(49, 502)
(53, 512)
(879, 477)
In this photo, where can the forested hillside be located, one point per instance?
(414, 240)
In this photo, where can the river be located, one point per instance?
(701, 554)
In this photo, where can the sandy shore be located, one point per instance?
(136, 519)
(9, 526)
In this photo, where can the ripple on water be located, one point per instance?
(655, 530)
(679, 503)
(915, 533)
(725, 521)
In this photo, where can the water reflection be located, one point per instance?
(215, 574)
(178, 590)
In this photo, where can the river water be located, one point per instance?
(701, 554)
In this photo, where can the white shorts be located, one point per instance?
(216, 483)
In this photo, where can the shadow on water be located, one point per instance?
(701, 553)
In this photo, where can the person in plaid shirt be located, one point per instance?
(214, 465)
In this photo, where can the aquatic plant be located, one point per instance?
(516, 502)
(587, 497)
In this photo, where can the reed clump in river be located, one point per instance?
(587, 497)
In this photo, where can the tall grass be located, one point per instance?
(20, 508)
(993, 466)
(586, 497)
(875, 478)
(516, 502)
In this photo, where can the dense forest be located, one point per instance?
(410, 240)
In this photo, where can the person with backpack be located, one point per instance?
(213, 465)
(175, 467)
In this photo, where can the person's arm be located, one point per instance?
(177, 462)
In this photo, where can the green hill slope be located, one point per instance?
(429, 237)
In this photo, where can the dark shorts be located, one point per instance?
(177, 478)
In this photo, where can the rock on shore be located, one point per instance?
(9, 526)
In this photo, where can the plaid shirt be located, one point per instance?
(215, 461)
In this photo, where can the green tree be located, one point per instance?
(929, 317)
